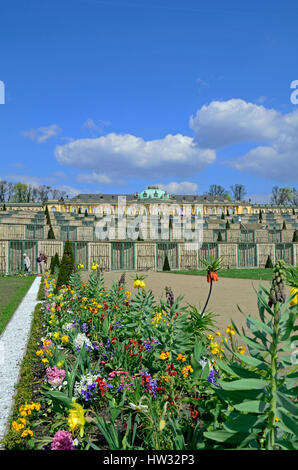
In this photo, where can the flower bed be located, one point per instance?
(122, 370)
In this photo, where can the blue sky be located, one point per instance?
(114, 95)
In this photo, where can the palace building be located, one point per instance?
(106, 228)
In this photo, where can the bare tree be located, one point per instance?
(238, 192)
(217, 191)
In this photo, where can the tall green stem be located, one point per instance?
(210, 290)
(274, 375)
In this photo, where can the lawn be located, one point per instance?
(12, 291)
(251, 273)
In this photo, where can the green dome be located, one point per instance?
(153, 192)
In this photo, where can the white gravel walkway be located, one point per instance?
(13, 344)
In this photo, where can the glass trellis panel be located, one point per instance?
(169, 249)
(223, 235)
(247, 255)
(80, 253)
(284, 251)
(274, 236)
(16, 252)
(68, 233)
(247, 236)
(123, 255)
(206, 252)
(34, 232)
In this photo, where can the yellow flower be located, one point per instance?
(165, 378)
(60, 364)
(128, 294)
(230, 330)
(181, 357)
(218, 333)
(45, 360)
(210, 337)
(76, 418)
(241, 349)
(164, 355)
(139, 284)
(215, 349)
(39, 352)
(56, 335)
(53, 309)
(64, 339)
(276, 419)
(26, 433)
(186, 370)
(293, 291)
(80, 266)
(94, 266)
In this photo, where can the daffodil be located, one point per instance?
(76, 418)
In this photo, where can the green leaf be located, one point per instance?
(225, 436)
(253, 344)
(286, 422)
(252, 361)
(252, 406)
(259, 324)
(286, 403)
(243, 423)
(244, 384)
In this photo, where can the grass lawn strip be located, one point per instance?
(13, 343)
(12, 291)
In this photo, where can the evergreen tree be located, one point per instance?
(4, 207)
(269, 263)
(294, 211)
(66, 266)
(86, 213)
(260, 216)
(79, 211)
(284, 226)
(219, 237)
(232, 221)
(295, 236)
(166, 265)
(51, 235)
(222, 216)
(55, 263)
(228, 225)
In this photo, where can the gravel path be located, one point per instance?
(13, 344)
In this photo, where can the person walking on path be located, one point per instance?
(43, 263)
(27, 263)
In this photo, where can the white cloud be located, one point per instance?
(33, 180)
(95, 127)
(95, 178)
(223, 123)
(185, 187)
(42, 134)
(130, 156)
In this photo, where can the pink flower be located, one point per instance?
(48, 307)
(55, 376)
(62, 441)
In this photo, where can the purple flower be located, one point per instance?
(211, 377)
(62, 441)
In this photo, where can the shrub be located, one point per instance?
(51, 235)
(269, 263)
(55, 263)
(166, 265)
(66, 266)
